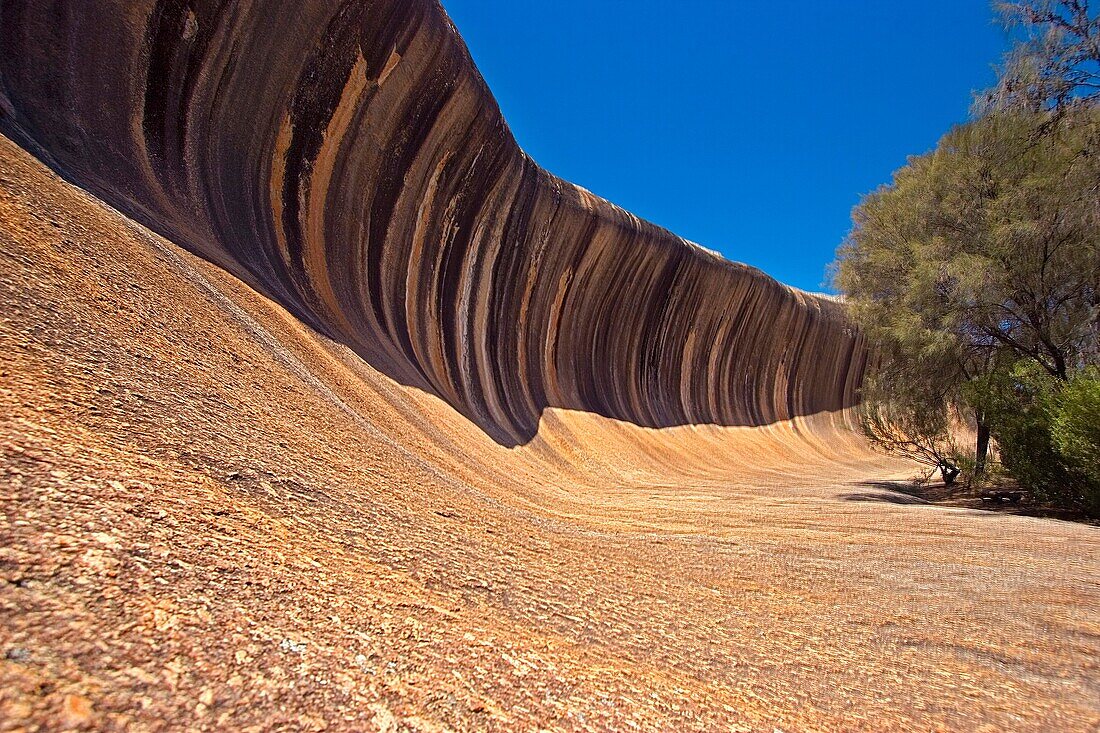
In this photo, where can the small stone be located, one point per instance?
(18, 654)
(289, 645)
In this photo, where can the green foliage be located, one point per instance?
(987, 244)
(1018, 402)
(975, 276)
(1075, 428)
(1048, 431)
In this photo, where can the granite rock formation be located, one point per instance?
(347, 160)
(214, 517)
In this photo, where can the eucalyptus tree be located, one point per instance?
(979, 254)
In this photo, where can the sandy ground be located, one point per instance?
(213, 518)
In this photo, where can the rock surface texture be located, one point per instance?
(347, 159)
(355, 419)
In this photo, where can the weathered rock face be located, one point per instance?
(347, 159)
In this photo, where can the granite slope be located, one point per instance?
(212, 517)
(347, 416)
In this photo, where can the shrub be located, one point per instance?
(1075, 433)
(1048, 431)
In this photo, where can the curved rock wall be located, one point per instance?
(347, 159)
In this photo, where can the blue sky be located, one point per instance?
(751, 128)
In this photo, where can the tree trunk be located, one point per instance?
(981, 449)
(1060, 367)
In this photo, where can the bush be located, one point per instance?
(1075, 433)
(1048, 432)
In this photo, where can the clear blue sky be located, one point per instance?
(751, 128)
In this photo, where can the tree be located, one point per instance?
(1055, 63)
(903, 412)
(981, 253)
(976, 272)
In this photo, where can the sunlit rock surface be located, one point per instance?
(374, 425)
